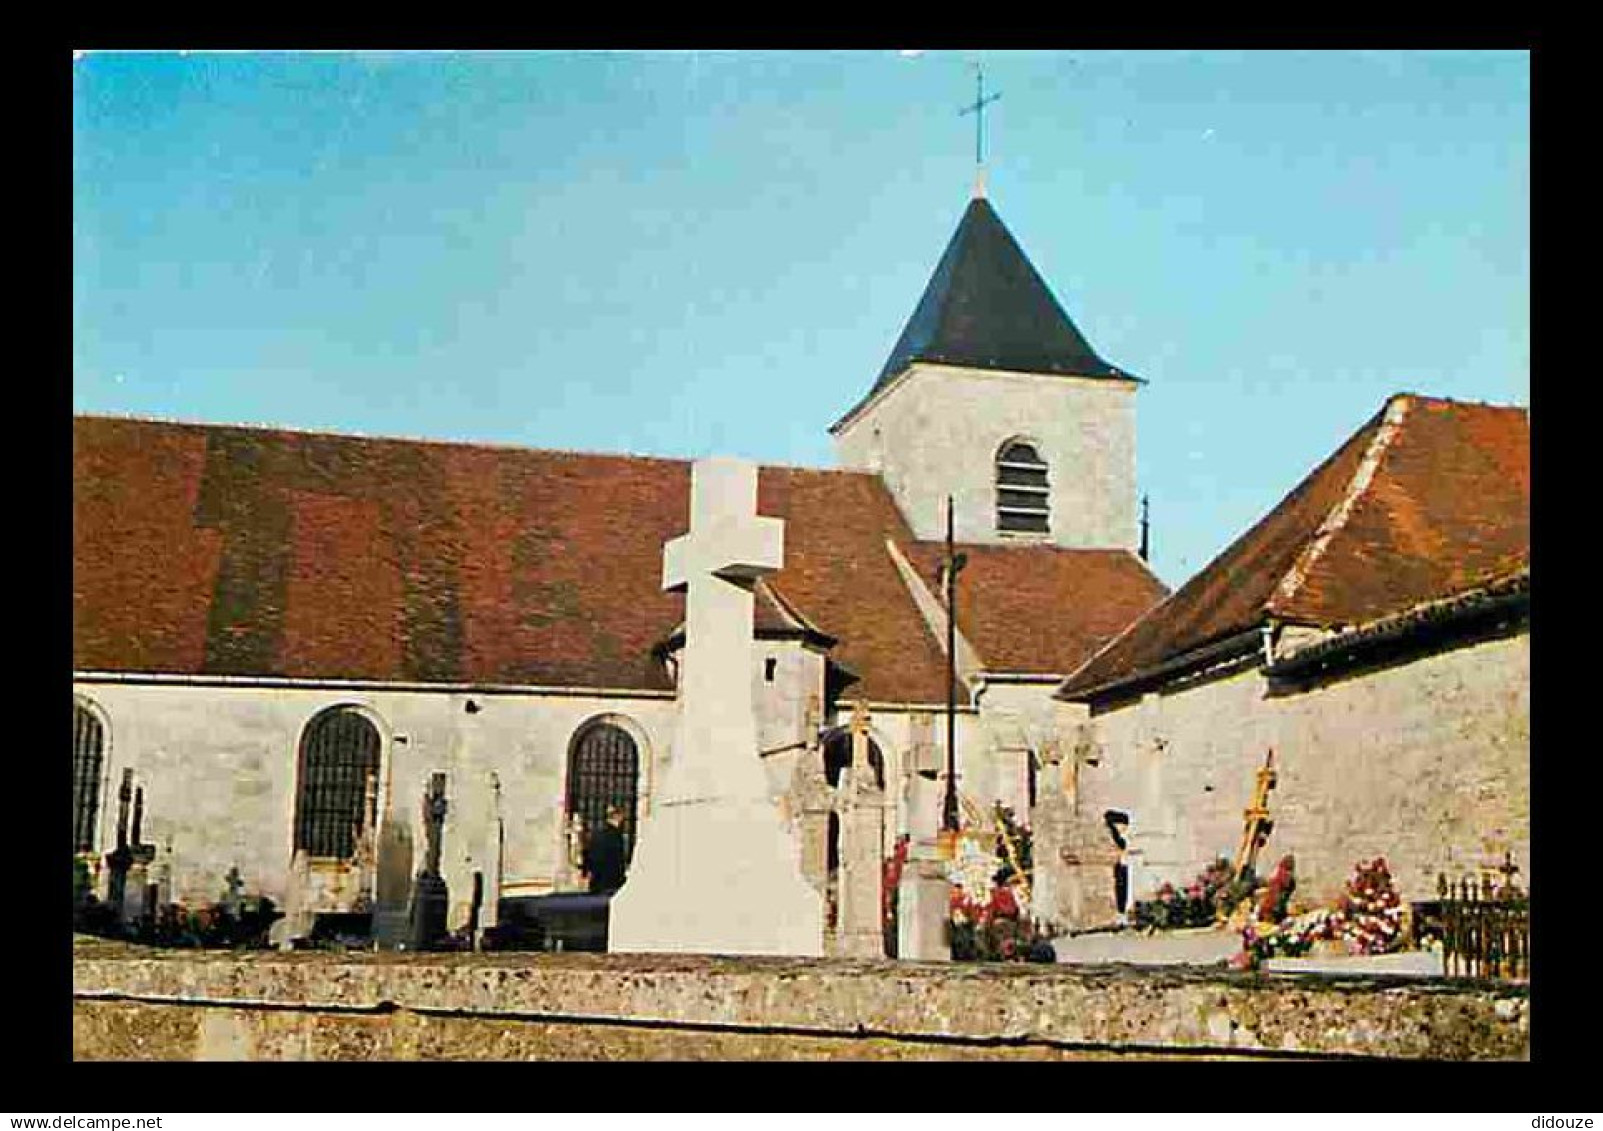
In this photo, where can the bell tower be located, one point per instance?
(993, 396)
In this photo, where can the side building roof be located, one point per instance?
(225, 550)
(1430, 498)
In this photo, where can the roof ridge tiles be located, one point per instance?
(1391, 423)
(445, 442)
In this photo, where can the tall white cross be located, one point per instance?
(715, 871)
(727, 537)
(729, 546)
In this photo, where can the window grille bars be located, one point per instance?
(88, 743)
(603, 770)
(339, 755)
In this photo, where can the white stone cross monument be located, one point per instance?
(715, 871)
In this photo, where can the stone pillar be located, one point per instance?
(714, 869)
(298, 914)
(392, 878)
(861, 933)
(496, 865)
(923, 906)
(462, 823)
(474, 829)
(923, 898)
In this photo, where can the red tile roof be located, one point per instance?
(1429, 498)
(225, 550)
(1093, 595)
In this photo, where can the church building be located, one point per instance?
(282, 638)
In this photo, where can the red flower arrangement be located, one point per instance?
(1367, 919)
(1371, 912)
(1276, 897)
(988, 917)
(1003, 904)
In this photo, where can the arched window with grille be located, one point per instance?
(335, 802)
(1023, 494)
(88, 757)
(603, 771)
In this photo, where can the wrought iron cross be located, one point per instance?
(978, 110)
(1509, 869)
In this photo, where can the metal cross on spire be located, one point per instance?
(977, 108)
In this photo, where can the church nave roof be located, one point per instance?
(236, 551)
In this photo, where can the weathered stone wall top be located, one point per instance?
(1120, 1007)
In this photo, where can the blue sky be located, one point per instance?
(682, 253)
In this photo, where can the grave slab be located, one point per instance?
(1204, 946)
(1415, 962)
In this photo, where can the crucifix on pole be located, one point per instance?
(950, 568)
(977, 108)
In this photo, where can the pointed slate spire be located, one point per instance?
(987, 307)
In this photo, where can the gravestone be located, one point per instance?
(430, 897)
(120, 858)
(136, 904)
(392, 913)
(1086, 896)
(163, 873)
(231, 901)
(714, 870)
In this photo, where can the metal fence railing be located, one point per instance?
(1485, 928)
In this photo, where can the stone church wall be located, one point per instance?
(1426, 764)
(218, 765)
(939, 432)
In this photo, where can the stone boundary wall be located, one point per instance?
(134, 1003)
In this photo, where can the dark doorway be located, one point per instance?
(1118, 823)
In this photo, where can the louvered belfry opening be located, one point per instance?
(603, 770)
(88, 744)
(339, 757)
(1023, 495)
